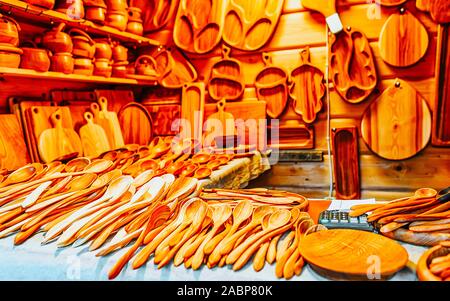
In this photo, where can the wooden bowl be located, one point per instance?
(149, 164)
(422, 270)
(214, 164)
(202, 173)
(201, 158)
(189, 170)
(10, 56)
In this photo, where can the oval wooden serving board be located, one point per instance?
(352, 255)
(397, 125)
(271, 87)
(307, 88)
(352, 65)
(199, 25)
(249, 24)
(403, 40)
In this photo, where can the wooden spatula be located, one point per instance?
(93, 137)
(328, 9)
(110, 123)
(58, 141)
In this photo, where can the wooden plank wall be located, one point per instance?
(298, 28)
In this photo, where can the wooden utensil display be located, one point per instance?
(192, 110)
(346, 163)
(155, 13)
(58, 141)
(110, 123)
(441, 120)
(13, 151)
(350, 254)
(397, 125)
(162, 117)
(291, 135)
(226, 80)
(136, 124)
(250, 24)
(174, 68)
(328, 9)
(93, 137)
(307, 88)
(352, 65)
(271, 87)
(219, 124)
(403, 39)
(199, 25)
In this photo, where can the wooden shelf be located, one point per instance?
(31, 74)
(26, 10)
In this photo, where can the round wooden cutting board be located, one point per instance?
(397, 125)
(353, 255)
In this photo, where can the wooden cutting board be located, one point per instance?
(345, 254)
(58, 141)
(397, 125)
(174, 68)
(41, 118)
(307, 88)
(162, 117)
(249, 24)
(271, 87)
(110, 123)
(403, 39)
(219, 124)
(155, 13)
(192, 110)
(199, 25)
(116, 98)
(352, 65)
(136, 124)
(93, 137)
(13, 151)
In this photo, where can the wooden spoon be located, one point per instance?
(22, 174)
(77, 164)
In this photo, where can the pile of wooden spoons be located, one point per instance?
(422, 219)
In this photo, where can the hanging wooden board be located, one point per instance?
(226, 80)
(346, 163)
(307, 88)
(41, 118)
(93, 137)
(192, 110)
(174, 68)
(116, 98)
(271, 87)
(352, 66)
(13, 151)
(110, 123)
(403, 39)
(58, 141)
(249, 24)
(199, 25)
(219, 124)
(352, 255)
(397, 125)
(136, 124)
(162, 117)
(156, 14)
(441, 120)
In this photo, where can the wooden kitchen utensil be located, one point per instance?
(174, 68)
(352, 255)
(397, 125)
(403, 39)
(110, 123)
(226, 80)
(250, 24)
(352, 65)
(192, 110)
(328, 9)
(271, 87)
(58, 141)
(13, 151)
(441, 120)
(307, 88)
(93, 137)
(199, 25)
(136, 124)
(219, 124)
(116, 98)
(156, 13)
(346, 163)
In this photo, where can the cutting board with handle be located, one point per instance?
(192, 110)
(41, 118)
(271, 87)
(249, 24)
(93, 137)
(58, 141)
(352, 65)
(328, 9)
(403, 39)
(307, 88)
(199, 25)
(110, 123)
(397, 125)
(136, 124)
(219, 124)
(13, 151)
